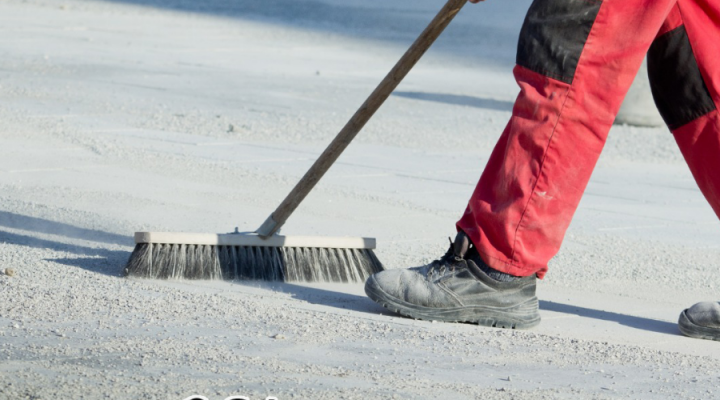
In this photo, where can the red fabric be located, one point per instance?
(700, 145)
(699, 140)
(673, 20)
(702, 23)
(538, 171)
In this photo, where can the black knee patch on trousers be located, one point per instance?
(554, 34)
(677, 85)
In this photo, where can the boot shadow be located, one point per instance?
(646, 324)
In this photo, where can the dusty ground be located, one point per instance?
(199, 116)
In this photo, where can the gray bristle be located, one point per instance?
(290, 264)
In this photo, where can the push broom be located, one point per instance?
(265, 255)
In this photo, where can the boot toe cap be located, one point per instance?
(706, 314)
(406, 285)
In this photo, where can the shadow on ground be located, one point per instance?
(95, 259)
(352, 302)
(474, 34)
(26, 223)
(330, 298)
(460, 100)
(110, 262)
(632, 321)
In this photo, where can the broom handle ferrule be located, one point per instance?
(361, 117)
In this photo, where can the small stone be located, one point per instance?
(9, 272)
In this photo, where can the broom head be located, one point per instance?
(165, 255)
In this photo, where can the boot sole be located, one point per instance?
(522, 316)
(690, 329)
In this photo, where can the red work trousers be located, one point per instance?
(576, 61)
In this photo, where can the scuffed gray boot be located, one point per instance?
(701, 321)
(455, 289)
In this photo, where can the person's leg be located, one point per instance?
(576, 60)
(684, 70)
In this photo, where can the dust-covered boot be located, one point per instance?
(701, 321)
(456, 289)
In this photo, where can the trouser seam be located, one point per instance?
(712, 90)
(504, 261)
(540, 171)
(554, 130)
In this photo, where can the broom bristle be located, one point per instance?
(290, 264)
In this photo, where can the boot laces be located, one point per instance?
(447, 263)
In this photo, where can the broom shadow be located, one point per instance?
(642, 323)
(26, 223)
(98, 260)
(331, 298)
(94, 259)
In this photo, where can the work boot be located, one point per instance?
(701, 321)
(456, 289)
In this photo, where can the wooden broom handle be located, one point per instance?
(361, 117)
